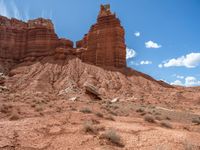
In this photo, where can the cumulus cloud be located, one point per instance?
(191, 81)
(160, 65)
(130, 53)
(145, 62)
(151, 44)
(191, 60)
(188, 81)
(177, 82)
(4, 9)
(137, 34)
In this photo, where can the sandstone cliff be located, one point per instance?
(105, 44)
(20, 40)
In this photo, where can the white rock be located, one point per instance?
(115, 100)
(73, 99)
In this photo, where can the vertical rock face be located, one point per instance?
(20, 40)
(104, 44)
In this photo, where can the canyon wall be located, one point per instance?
(104, 44)
(20, 40)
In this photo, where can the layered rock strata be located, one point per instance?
(20, 40)
(105, 42)
(104, 45)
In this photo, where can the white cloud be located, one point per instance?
(177, 82)
(191, 60)
(188, 81)
(134, 63)
(191, 81)
(145, 62)
(3, 9)
(151, 44)
(180, 77)
(160, 65)
(130, 53)
(137, 34)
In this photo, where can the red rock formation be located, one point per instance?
(104, 45)
(105, 42)
(20, 40)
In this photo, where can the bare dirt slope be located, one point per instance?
(46, 106)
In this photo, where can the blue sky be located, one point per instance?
(162, 37)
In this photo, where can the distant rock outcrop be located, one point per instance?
(21, 41)
(104, 45)
(105, 42)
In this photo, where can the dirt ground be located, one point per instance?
(44, 106)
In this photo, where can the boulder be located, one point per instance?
(92, 90)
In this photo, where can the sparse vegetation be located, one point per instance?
(33, 105)
(196, 121)
(38, 108)
(140, 110)
(5, 108)
(149, 118)
(110, 118)
(158, 118)
(112, 136)
(168, 118)
(85, 110)
(14, 116)
(166, 124)
(89, 127)
(99, 114)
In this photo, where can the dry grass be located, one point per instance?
(112, 136)
(149, 118)
(110, 118)
(5, 108)
(86, 110)
(98, 114)
(196, 121)
(38, 108)
(166, 124)
(140, 110)
(88, 127)
(14, 116)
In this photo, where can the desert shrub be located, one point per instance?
(89, 127)
(5, 109)
(112, 136)
(73, 109)
(168, 118)
(158, 118)
(14, 116)
(99, 114)
(143, 113)
(140, 110)
(113, 113)
(85, 110)
(149, 118)
(196, 121)
(58, 109)
(33, 105)
(166, 124)
(110, 118)
(38, 108)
